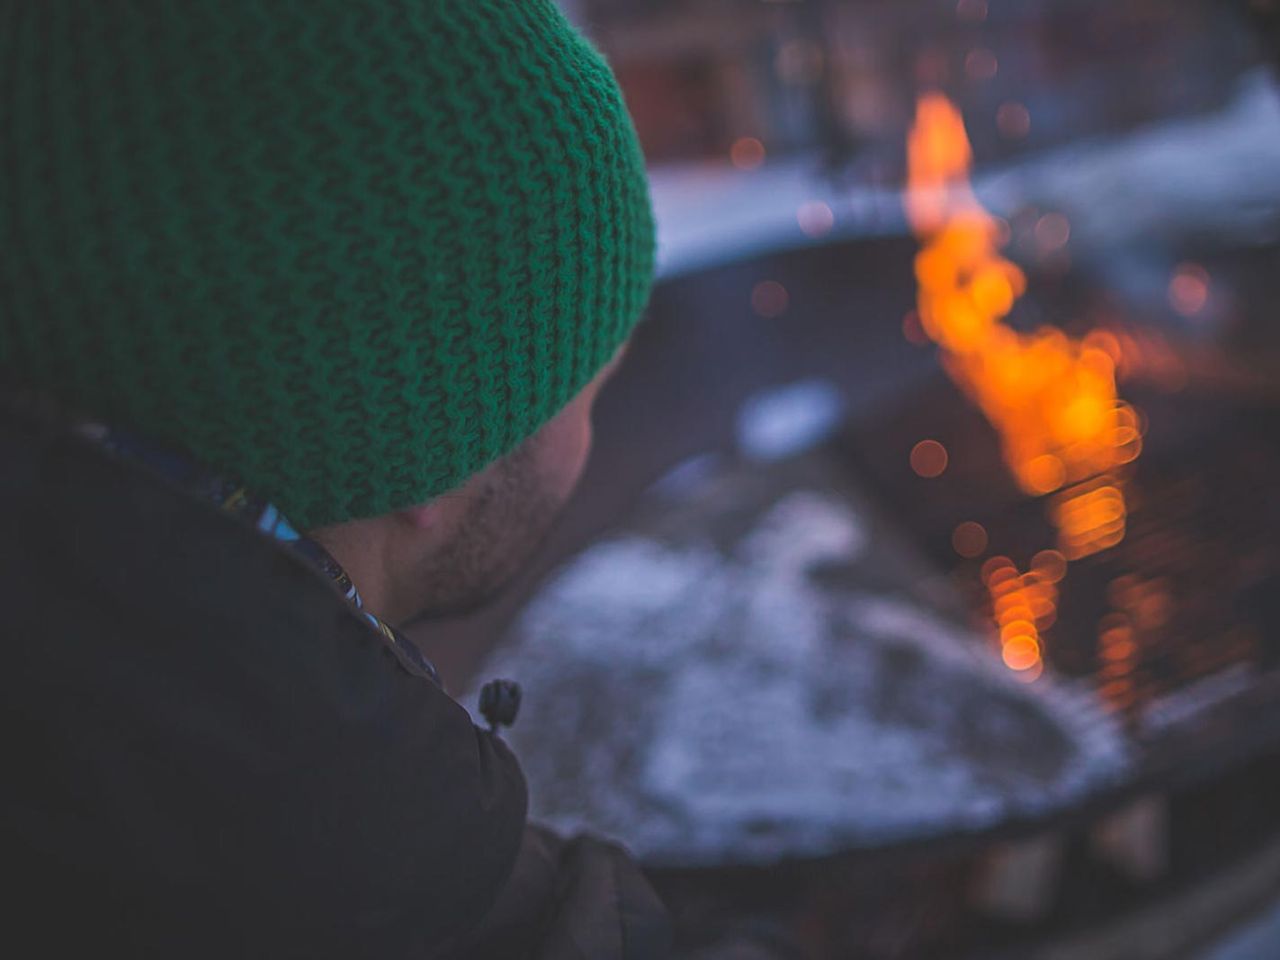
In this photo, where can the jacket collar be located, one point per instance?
(237, 500)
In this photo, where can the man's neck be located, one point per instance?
(360, 546)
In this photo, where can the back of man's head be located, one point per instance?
(351, 251)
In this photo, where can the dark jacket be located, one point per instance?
(213, 754)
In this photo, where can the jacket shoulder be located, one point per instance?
(217, 749)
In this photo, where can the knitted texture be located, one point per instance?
(348, 251)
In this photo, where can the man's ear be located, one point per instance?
(424, 516)
(442, 512)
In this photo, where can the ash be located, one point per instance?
(710, 703)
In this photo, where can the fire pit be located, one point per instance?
(676, 698)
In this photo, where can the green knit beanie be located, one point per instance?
(348, 251)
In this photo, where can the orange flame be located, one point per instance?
(1051, 397)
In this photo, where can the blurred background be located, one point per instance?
(922, 598)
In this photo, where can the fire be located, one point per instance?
(1052, 398)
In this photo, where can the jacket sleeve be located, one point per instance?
(577, 899)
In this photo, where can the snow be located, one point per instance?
(1133, 201)
(1185, 706)
(1211, 175)
(709, 705)
(709, 214)
(788, 420)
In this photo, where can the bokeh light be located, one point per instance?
(1013, 120)
(1189, 289)
(1052, 231)
(913, 331)
(1049, 565)
(997, 566)
(1021, 653)
(816, 219)
(769, 299)
(1045, 473)
(981, 64)
(747, 153)
(929, 459)
(969, 539)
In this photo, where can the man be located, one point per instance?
(303, 308)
